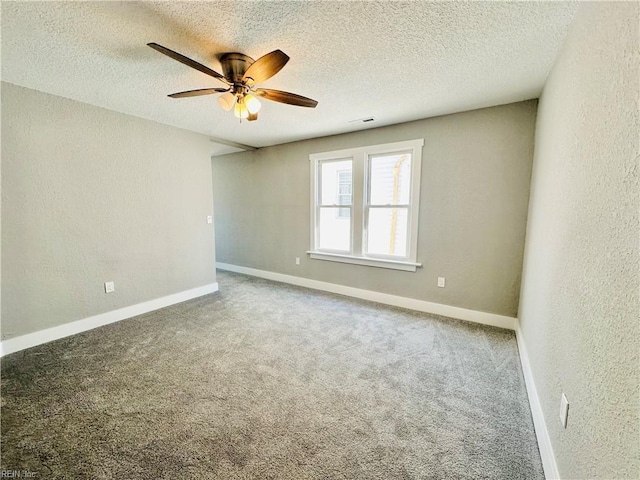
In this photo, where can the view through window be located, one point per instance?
(334, 223)
(387, 215)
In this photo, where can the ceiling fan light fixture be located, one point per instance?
(240, 110)
(252, 103)
(226, 101)
(241, 74)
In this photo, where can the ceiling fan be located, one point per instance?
(241, 74)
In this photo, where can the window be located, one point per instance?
(365, 205)
(334, 232)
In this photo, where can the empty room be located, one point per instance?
(320, 240)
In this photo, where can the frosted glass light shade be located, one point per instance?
(252, 103)
(227, 100)
(240, 109)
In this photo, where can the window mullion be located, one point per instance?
(357, 218)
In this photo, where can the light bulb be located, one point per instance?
(252, 103)
(226, 101)
(240, 110)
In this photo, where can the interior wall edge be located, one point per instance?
(540, 426)
(47, 335)
(484, 318)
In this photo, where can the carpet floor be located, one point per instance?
(263, 380)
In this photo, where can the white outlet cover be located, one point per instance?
(297, 260)
(441, 282)
(564, 410)
(209, 219)
(109, 287)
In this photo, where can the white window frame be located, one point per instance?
(359, 205)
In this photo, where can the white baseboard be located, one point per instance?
(395, 300)
(29, 340)
(542, 434)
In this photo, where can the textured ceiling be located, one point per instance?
(394, 61)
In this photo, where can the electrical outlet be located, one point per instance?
(209, 219)
(109, 287)
(441, 282)
(297, 260)
(564, 410)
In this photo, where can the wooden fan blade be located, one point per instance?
(285, 97)
(196, 93)
(252, 117)
(266, 66)
(187, 61)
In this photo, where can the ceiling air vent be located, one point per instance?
(362, 120)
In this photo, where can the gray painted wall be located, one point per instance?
(474, 199)
(90, 195)
(579, 306)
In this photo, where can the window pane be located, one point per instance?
(335, 229)
(390, 179)
(344, 192)
(387, 231)
(336, 183)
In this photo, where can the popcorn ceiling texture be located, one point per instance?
(90, 195)
(579, 304)
(395, 61)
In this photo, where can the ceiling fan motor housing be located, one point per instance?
(234, 65)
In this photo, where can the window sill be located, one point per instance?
(366, 261)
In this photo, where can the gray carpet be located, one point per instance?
(264, 380)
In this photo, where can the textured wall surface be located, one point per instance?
(474, 196)
(579, 305)
(90, 195)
